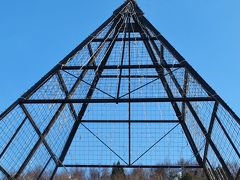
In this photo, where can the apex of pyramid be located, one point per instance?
(132, 3)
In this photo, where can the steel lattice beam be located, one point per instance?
(126, 22)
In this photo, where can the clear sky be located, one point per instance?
(35, 35)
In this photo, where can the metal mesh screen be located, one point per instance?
(124, 95)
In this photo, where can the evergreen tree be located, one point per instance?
(118, 172)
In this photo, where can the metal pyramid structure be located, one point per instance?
(124, 94)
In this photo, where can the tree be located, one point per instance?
(105, 175)
(32, 174)
(158, 174)
(94, 174)
(187, 176)
(78, 174)
(138, 174)
(191, 173)
(118, 172)
(62, 176)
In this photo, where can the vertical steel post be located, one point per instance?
(129, 94)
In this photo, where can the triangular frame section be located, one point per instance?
(126, 77)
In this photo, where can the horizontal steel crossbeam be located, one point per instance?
(130, 166)
(133, 100)
(136, 66)
(132, 121)
(126, 76)
(123, 39)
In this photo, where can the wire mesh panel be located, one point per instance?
(2, 176)
(57, 136)
(19, 148)
(99, 144)
(49, 90)
(42, 114)
(152, 111)
(9, 126)
(165, 144)
(124, 98)
(229, 125)
(37, 163)
(196, 132)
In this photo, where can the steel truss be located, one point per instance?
(47, 119)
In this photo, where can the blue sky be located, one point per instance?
(35, 35)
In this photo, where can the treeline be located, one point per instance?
(134, 174)
(118, 173)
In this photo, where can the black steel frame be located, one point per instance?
(143, 26)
